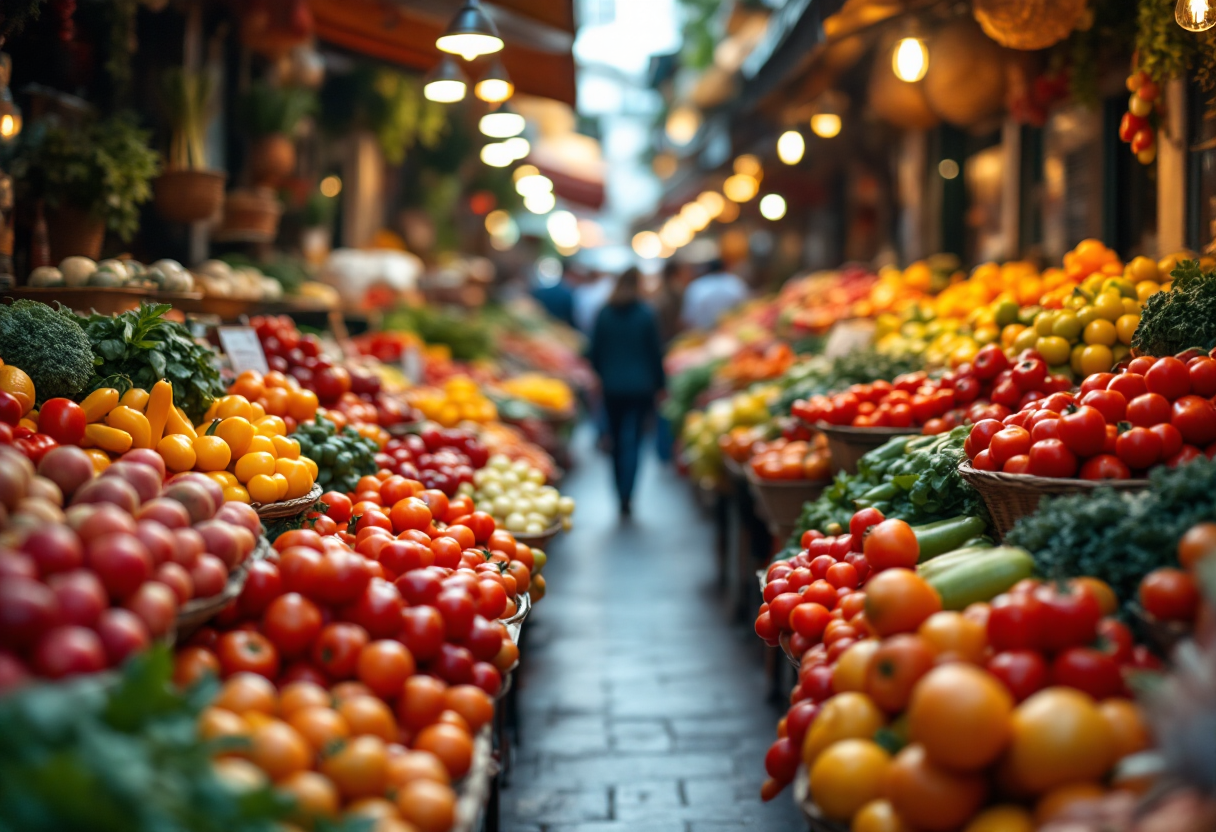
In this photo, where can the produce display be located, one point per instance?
(515, 495)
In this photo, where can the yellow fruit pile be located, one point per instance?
(459, 400)
(542, 390)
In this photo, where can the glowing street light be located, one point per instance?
(790, 147)
(647, 245)
(470, 34)
(910, 60)
(772, 207)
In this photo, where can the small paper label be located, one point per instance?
(243, 348)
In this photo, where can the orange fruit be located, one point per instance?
(1125, 721)
(899, 601)
(961, 715)
(279, 750)
(844, 716)
(1058, 737)
(848, 775)
(930, 798)
(851, 667)
(15, 381)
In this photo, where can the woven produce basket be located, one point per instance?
(780, 501)
(542, 540)
(198, 611)
(288, 508)
(849, 444)
(1012, 496)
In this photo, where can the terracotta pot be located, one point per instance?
(73, 230)
(271, 160)
(188, 196)
(250, 215)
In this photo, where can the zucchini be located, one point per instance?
(931, 568)
(947, 535)
(981, 577)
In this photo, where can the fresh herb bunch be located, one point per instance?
(1181, 318)
(92, 755)
(105, 168)
(48, 345)
(1118, 536)
(912, 478)
(467, 336)
(139, 348)
(342, 457)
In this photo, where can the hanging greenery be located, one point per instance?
(402, 117)
(1166, 50)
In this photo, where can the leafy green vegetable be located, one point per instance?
(48, 345)
(684, 388)
(1181, 318)
(139, 348)
(912, 478)
(1119, 536)
(467, 336)
(90, 754)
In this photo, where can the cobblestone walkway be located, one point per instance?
(641, 708)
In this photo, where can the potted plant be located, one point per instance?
(187, 191)
(271, 114)
(93, 178)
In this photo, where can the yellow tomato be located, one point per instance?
(844, 716)
(1109, 305)
(258, 411)
(231, 406)
(100, 460)
(1125, 328)
(252, 464)
(237, 431)
(1007, 818)
(313, 470)
(848, 775)
(236, 494)
(281, 485)
(299, 481)
(1141, 269)
(1054, 349)
(261, 445)
(212, 453)
(1096, 358)
(1146, 289)
(1010, 333)
(1026, 339)
(850, 672)
(224, 478)
(271, 426)
(1044, 321)
(1101, 332)
(1074, 360)
(878, 816)
(285, 448)
(178, 452)
(263, 489)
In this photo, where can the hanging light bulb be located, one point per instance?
(740, 187)
(790, 147)
(470, 34)
(825, 125)
(647, 245)
(772, 207)
(497, 155)
(910, 60)
(502, 124)
(10, 113)
(713, 203)
(1195, 15)
(533, 183)
(445, 83)
(495, 86)
(518, 146)
(749, 165)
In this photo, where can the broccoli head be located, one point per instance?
(49, 345)
(1181, 318)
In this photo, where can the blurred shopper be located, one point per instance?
(628, 356)
(589, 299)
(712, 294)
(668, 300)
(558, 298)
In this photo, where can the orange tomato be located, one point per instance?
(384, 665)
(315, 795)
(250, 465)
(376, 808)
(358, 767)
(276, 401)
(1101, 591)
(233, 407)
(423, 699)
(345, 690)
(1196, 544)
(451, 745)
(416, 765)
(1059, 800)
(1003, 818)
(15, 381)
(216, 723)
(319, 726)
(1059, 737)
(878, 816)
(848, 775)
(238, 433)
(285, 448)
(899, 601)
(844, 716)
(956, 634)
(852, 666)
(295, 472)
(296, 696)
(960, 714)
(248, 384)
(896, 666)
(367, 715)
(1125, 722)
(193, 663)
(279, 750)
(928, 797)
(472, 703)
(246, 692)
(302, 405)
(177, 450)
(212, 453)
(429, 806)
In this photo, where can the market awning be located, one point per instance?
(539, 35)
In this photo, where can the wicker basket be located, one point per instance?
(198, 611)
(288, 508)
(849, 444)
(540, 541)
(780, 501)
(1012, 496)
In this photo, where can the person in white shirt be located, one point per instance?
(710, 295)
(589, 299)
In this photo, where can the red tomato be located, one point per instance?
(263, 584)
(10, 409)
(1015, 622)
(336, 650)
(809, 620)
(1029, 373)
(989, 362)
(247, 651)
(1171, 439)
(1115, 640)
(1111, 404)
(1129, 385)
(1140, 448)
(377, 609)
(1019, 464)
(292, 622)
(862, 520)
(1105, 467)
(842, 576)
(339, 507)
(1148, 410)
(1169, 595)
(1202, 372)
(1051, 458)
(63, 420)
(1189, 453)
(1070, 616)
(1195, 419)
(982, 433)
(983, 462)
(422, 631)
(1097, 381)
(1008, 443)
(1083, 431)
(1088, 670)
(1168, 377)
(1023, 672)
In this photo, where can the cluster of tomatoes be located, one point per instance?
(1136, 128)
(82, 590)
(1155, 411)
(783, 459)
(1172, 594)
(440, 458)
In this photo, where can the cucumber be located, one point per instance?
(946, 535)
(982, 576)
(931, 568)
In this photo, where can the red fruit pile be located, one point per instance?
(439, 458)
(82, 590)
(1117, 426)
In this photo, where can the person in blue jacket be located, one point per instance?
(627, 354)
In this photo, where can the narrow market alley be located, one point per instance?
(641, 707)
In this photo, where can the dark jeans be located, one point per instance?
(626, 423)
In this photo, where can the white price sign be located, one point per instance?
(243, 348)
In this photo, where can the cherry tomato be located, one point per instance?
(1110, 403)
(1115, 640)
(1096, 381)
(989, 362)
(1129, 385)
(292, 623)
(889, 545)
(63, 420)
(1023, 672)
(336, 650)
(863, 520)
(1088, 670)
(1019, 464)
(1169, 595)
(1008, 443)
(1070, 616)
(1029, 373)
(242, 651)
(1015, 622)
